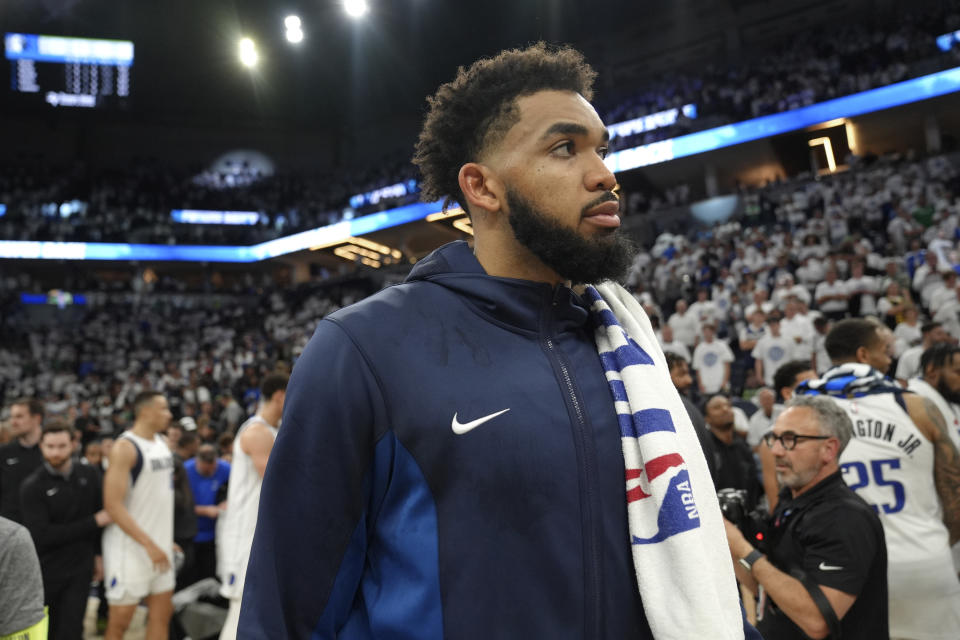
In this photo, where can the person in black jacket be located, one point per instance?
(19, 458)
(62, 505)
(733, 459)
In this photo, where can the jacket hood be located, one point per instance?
(520, 303)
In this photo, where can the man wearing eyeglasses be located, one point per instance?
(826, 572)
(903, 462)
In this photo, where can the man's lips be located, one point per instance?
(605, 214)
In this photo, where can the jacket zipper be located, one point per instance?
(587, 489)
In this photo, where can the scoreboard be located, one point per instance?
(69, 72)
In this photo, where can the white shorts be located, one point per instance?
(125, 591)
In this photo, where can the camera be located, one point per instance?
(752, 524)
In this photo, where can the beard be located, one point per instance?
(582, 260)
(948, 394)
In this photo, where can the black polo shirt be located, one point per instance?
(836, 539)
(59, 512)
(16, 463)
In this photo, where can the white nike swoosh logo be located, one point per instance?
(461, 428)
(827, 567)
(50, 492)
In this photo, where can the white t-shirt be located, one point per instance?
(685, 327)
(868, 288)
(708, 360)
(799, 330)
(676, 347)
(704, 312)
(773, 352)
(759, 424)
(906, 336)
(827, 289)
(908, 366)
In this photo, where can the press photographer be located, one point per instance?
(826, 572)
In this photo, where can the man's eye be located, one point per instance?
(603, 151)
(564, 149)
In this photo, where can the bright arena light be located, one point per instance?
(294, 32)
(355, 8)
(248, 52)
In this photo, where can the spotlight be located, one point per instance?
(294, 32)
(248, 53)
(355, 8)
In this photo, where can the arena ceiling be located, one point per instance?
(346, 71)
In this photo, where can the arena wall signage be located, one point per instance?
(894, 95)
(887, 97)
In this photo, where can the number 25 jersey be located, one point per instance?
(889, 463)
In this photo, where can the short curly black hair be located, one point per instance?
(478, 107)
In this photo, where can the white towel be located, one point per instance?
(680, 553)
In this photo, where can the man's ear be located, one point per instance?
(480, 187)
(862, 356)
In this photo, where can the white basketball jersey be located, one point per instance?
(951, 414)
(149, 501)
(243, 500)
(952, 417)
(889, 463)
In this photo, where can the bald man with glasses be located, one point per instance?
(826, 568)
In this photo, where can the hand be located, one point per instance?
(210, 511)
(739, 546)
(102, 518)
(161, 563)
(98, 568)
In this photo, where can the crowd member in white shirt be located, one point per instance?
(907, 333)
(798, 327)
(949, 314)
(786, 288)
(669, 345)
(711, 360)
(811, 272)
(831, 296)
(909, 364)
(752, 331)
(684, 324)
(893, 305)
(862, 290)
(704, 309)
(821, 359)
(771, 351)
(927, 277)
(943, 293)
(902, 229)
(763, 418)
(760, 303)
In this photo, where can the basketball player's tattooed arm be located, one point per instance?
(946, 468)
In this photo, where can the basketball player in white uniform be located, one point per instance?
(138, 495)
(254, 442)
(902, 461)
(939, 382)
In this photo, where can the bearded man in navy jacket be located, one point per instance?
(450, 464)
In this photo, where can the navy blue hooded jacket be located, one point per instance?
(378, 520)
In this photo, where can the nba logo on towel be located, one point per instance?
(666, 480)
